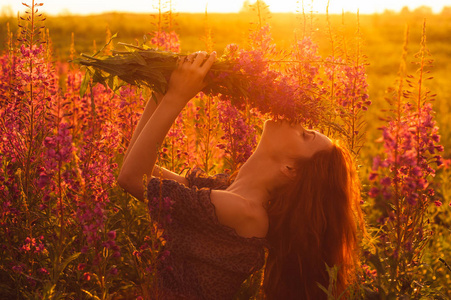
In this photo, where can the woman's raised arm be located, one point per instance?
(186, 81)
(150, 108)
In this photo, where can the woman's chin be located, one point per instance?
(275, 123)
(269, 125)
(271, 122)
(270, 129)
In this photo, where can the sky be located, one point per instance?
(225, 6)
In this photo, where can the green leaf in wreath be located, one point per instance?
(99, 78)
(85, 82)
(113, 83)
(139, 59)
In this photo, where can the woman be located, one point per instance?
(296, 196)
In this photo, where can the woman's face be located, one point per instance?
(292, 140)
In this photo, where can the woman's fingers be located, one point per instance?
(199, 58)
(190, 58)
(209, 62)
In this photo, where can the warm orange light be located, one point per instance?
(224, 6)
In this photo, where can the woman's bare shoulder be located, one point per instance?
(248, 219)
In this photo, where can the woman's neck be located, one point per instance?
(254, 180)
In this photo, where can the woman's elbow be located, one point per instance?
(131, 184)
(122, 180)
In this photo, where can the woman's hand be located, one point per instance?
(188, 78)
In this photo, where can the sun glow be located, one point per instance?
(337, 6)
(221, 6)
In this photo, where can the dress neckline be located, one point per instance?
(228, 229)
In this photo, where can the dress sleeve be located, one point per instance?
(197, 177)
(174, 206)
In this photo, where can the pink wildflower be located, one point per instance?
(168, 41)
(114, 271)
(87, 276)
(43, 271)
(112, 235)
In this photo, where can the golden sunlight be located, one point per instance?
(229, 6)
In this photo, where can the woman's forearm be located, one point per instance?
(149, 109)
(142, 154)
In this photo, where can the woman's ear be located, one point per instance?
(289, 171)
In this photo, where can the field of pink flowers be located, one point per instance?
(67, 231)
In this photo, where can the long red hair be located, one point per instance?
(312, 223)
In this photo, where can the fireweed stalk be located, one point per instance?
(402, 177)
(348, 91)
(28, 121)
(239, 139)
(93, 176)
(206, 129)
(23, 128)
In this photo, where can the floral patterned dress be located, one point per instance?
(206, 260)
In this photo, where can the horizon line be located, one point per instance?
(10, 12)
(69, 13)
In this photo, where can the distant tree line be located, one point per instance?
(421, 10)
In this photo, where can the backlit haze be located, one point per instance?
(221, 6)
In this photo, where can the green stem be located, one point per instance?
(207, 146)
